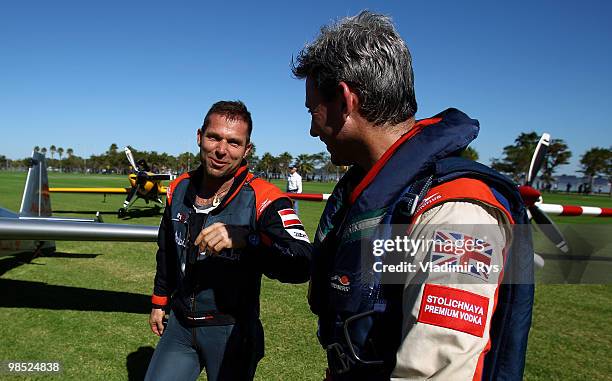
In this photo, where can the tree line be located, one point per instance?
(514, 161)
(113, 160)
(516, 158)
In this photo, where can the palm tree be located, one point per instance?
(36, 149)
(113, 149)
(60, 151)
(266, 163)
(52, 149)
(283, 160)
(43, 150)
(304, 163)
(70, 152)
(470, 154)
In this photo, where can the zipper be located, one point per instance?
(193, 329)
(193, 294)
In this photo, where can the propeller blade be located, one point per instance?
(538, 158)
(538, 260)
(548, 228)
(130, 158)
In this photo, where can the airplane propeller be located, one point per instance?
(130, 158)
(533, 197)
(142, 173)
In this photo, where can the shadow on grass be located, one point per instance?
(70, 255)
(138, 362)
(10, 262)
(138, 213)
(132, 213)
(27, 294)
(86, 212)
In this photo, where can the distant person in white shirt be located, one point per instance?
(294, 184)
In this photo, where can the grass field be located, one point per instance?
(87, 305)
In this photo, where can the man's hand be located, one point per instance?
(220, 236)
(155, 321)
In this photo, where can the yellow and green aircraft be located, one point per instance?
(144, 184)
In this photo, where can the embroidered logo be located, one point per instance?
(453, 308)
(179, 239)
(298, 234)
(428, 200)
(263, 205)
(341, 283)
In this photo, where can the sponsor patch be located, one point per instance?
(289, 218)
(341, 283)
(454, 309)
(181, 217)
(298, 234)
(179, 239)
(454, 248)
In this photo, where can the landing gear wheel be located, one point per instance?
(122, 212)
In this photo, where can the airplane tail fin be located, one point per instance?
(36, 201)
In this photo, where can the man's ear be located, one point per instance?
(348, 98)
(199, 137)
(249, 147)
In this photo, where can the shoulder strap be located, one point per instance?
(265, 193)
(462, 189)
(171, 188)
(403, 210)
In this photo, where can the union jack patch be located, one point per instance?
(456, 248)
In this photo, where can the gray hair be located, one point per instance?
(367, 53)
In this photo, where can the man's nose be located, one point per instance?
(221, 148)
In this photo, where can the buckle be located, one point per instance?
(349, 343)
(337, 360)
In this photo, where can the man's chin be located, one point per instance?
(217, 173)
(338, 161)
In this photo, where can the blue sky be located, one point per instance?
(85, 74)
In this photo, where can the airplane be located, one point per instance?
(34, 230)
(144, 184)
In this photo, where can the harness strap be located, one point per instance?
(343, 356)
(406, 206)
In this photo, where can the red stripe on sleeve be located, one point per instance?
(291, 222)
(159, 300)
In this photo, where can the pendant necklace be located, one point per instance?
(217, 198)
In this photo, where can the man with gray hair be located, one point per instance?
(461, 324)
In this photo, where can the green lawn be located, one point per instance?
(87, 305)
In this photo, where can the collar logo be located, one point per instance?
(341, 283)
(181, 217)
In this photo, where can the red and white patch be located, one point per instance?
(289, 218)
(453, 308)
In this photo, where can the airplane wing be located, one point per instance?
(19, 229)
(91, 190)
(158, 176)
